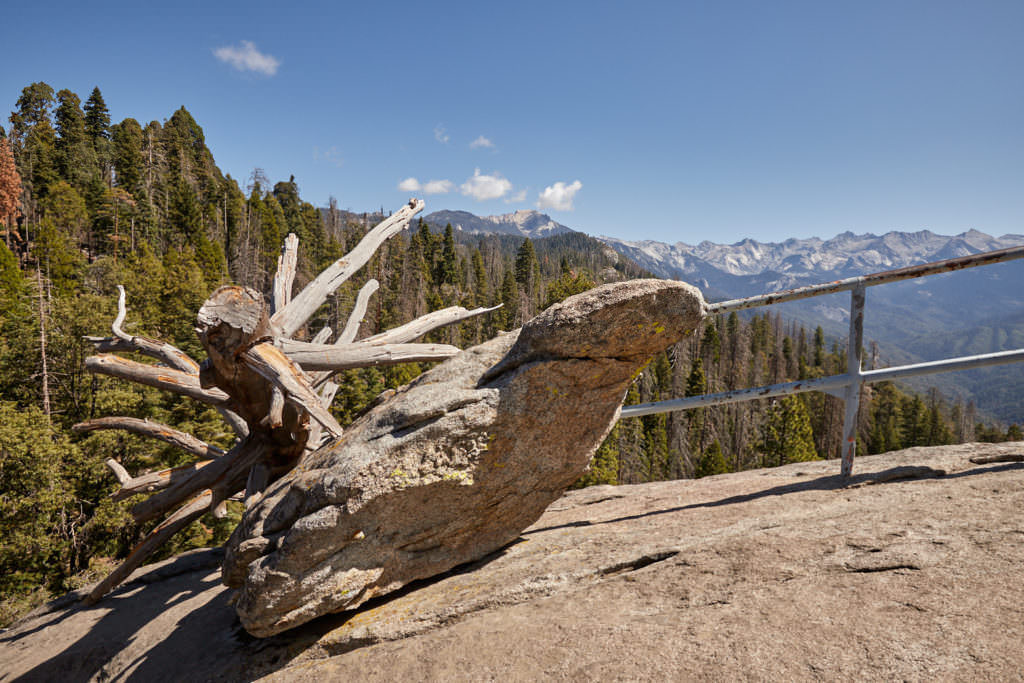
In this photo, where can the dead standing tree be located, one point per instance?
(273, 390)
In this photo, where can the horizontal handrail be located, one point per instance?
(825, 384)
(846, 386)
(908, 273)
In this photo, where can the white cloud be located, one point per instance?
(438, 187)
(409, 185)
(559, 196)
(517, 197)
(441, 135)
(481, 142)
(246, 57)
(432, 187)
(482, 187)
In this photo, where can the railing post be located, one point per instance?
(853, 372)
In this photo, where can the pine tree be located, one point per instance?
(510, 300)
(97, 127)
(604, 466)
(711, 462)
(696, 385)
(76, 158)
(710, 344)
(32, 140)
(527, 272)
(480, 288)
(819, 347)
(886, 417)
(567, 284)
(787, 435)
(913, 427)
(448, 267)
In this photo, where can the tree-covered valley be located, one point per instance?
(87, 204)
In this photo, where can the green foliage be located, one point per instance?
(711, 462)
(38, 509)
(604, 466)
(568, 284)
(75, 154)
(787, 435)
(886, 417)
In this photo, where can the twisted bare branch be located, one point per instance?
(154, 430)
(122, 341)
(226, 474)
(175, 381)
(154, 481)
(358, 311)
(188, 513)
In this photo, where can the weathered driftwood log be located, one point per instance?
(255, 375)
(455, 465)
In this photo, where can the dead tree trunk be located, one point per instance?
(273, 390)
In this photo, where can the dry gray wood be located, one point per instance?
(358, 311)
(213, 475)
(175, 381)
(322, 336)
(119, 471)
(284, 278)
(184, 516)
(154, 430)
(327, 393)
(122, 341)
(235, 421)
(122, 313)
(350, 331)
(329, 357)
(155, 481)
(259, 477)
(295, 314)
(425, 323)
(275, 418)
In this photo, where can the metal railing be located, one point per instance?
(846, 387)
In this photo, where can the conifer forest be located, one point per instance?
(87, 204)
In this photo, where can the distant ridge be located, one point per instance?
(526, 223)
(750, 267)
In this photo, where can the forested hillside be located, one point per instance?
(87, 204)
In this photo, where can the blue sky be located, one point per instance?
(679, 121)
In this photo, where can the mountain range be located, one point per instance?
(751, 267)
(532, 224)
(968, 312)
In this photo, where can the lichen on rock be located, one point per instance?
(455, 465)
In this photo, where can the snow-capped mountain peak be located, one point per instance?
(525, 222)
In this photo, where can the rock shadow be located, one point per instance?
(131, 606)
(827, 483)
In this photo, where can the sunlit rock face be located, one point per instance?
(455, 465)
